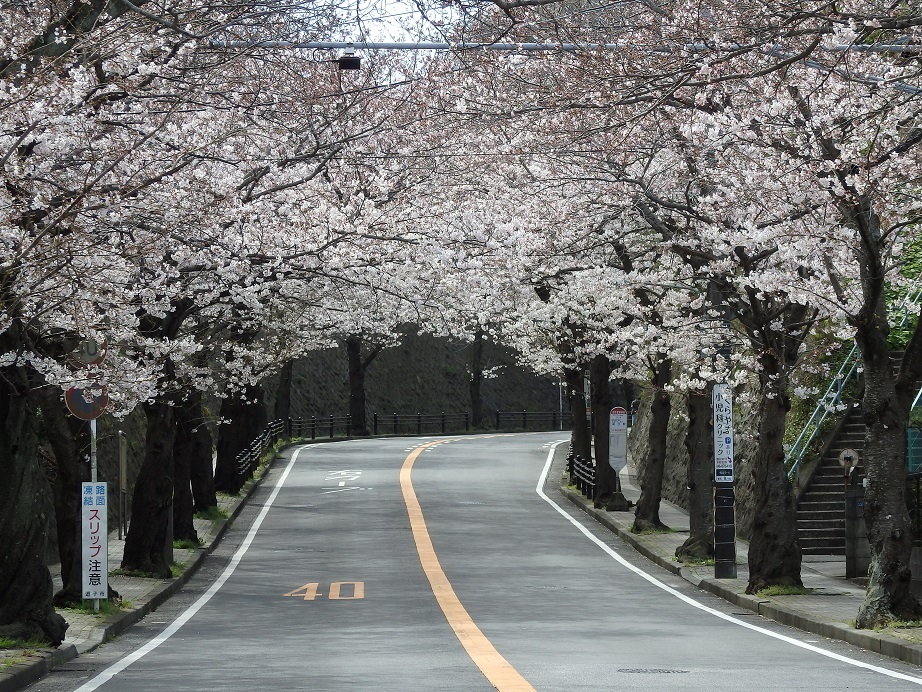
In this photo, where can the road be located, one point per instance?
(448, 564)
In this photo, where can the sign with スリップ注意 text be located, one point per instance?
(722, 400)
(94, 499)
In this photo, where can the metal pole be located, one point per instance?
(122, 480)
(93, 472)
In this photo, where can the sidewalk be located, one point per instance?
(829, 611)
(140, 596)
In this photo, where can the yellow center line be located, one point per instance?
(496, 668)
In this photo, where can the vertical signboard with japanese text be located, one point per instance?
(723, 433)
(94, 522)
(617, 438)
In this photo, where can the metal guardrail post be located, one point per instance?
(443, 422)
(467, 421)
(313, 427)
(331, 426)
(374, 423)
(497, 419)
(419, 424)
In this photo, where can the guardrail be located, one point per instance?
(394, 424)
(420, 423)
(582, 474)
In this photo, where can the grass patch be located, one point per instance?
(214, 513)
(12, 643)
(654, 532)
(698, 561)
(105, 607)
(176, 568)
(188, 544)
(779, 590)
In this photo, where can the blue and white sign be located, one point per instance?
(722, 400)
(94, 521)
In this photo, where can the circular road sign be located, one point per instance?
(86, 405)
(89, 352)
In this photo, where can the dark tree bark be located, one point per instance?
(774, 553)
(356, 385)
(885, 407)
(607, 485)
(191, 449)
(26, 590)
(358, 364)
(283, 397)
(201, 472)
(646, 516)
(580, 435)
(476, 379)
(243, 419)
(699, 441)
(69, 440)
(145, 544)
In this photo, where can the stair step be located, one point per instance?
(820, 506)
(822, 512)
(816, 524)
(822, 550)
(821, 533)
(821, 542)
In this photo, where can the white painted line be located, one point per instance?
(187, 614)
(700, 606)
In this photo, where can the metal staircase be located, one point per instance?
(821, 500)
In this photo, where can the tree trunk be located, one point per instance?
(699, 441)
(69, 440)
(607, 486)
(283, 397)
(889, 528)
(201, 472)
(191, 449)
(476, 380)
(356, 385)
(646, 516)
(26, 590)
(242, 420)
(580, 436)
(145, 545)
(774, 553)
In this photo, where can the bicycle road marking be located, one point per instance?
(497, 669)
(682, 597)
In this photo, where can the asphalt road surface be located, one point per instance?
(449, 564)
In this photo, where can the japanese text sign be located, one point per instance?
(94, 529)
(722, 399)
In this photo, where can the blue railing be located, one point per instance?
(832, 398)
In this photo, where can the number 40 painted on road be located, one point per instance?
(312, 590)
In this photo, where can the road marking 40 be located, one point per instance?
(311, 591)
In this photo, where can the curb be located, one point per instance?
(876, 642)
(19, 675)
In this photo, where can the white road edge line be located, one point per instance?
(656, 582)
(187, 614)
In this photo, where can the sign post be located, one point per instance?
(617, 456)
(94, 523)
(94, 500)
(617, 438)
(724, 498)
